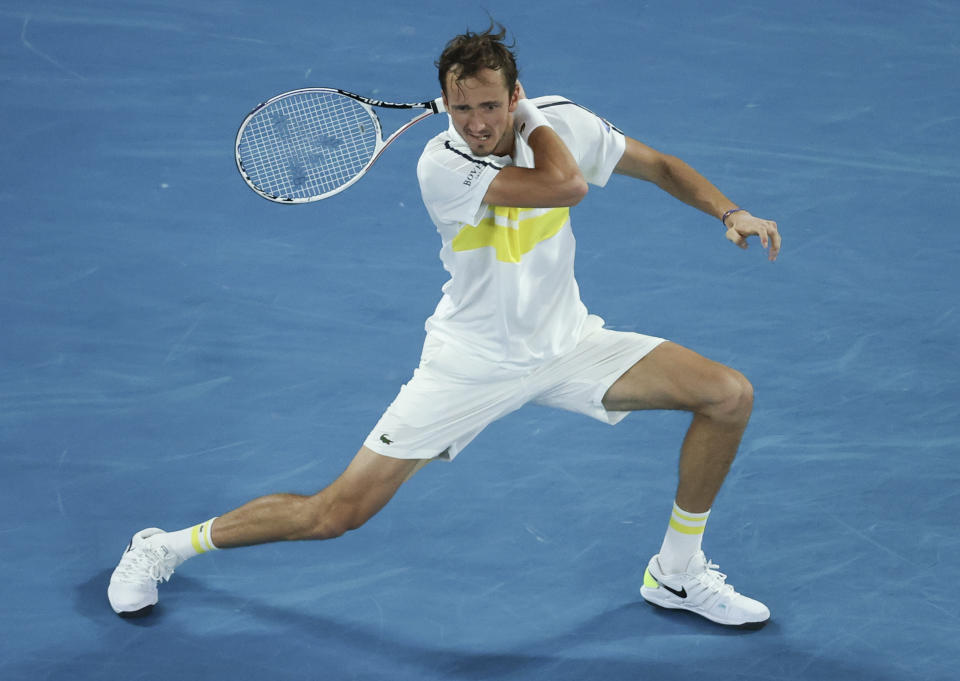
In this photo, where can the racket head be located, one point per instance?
(307, 145)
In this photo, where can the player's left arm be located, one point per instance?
(679, 179)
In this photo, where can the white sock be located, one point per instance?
(683, 539)
(191, 541)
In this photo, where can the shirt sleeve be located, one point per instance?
(453, 183)
(595, 143)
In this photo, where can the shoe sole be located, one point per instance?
(650, 595)
(134, 614)
(748, 626)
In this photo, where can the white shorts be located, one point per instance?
(452, 396)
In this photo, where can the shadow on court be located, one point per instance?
(295, 643)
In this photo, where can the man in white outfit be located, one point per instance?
(511, 329)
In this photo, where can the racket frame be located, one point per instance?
(434, 106)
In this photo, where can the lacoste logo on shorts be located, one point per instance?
(385, 440)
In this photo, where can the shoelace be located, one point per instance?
(146, 562)
(714, 580)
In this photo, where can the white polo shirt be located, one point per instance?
(512, 297)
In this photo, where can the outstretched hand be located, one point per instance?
(742, 225)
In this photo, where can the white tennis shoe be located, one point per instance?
(702, 589)
(145, 563)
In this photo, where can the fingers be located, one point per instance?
(737, 238)
(770, 238)
(774, 243)
(766, 230)
(734, 237)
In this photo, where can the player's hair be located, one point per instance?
(467, 54)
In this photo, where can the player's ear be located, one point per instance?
(515, 96)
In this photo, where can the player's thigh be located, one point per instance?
(370, 481)
(674, 377)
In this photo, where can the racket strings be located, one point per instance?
(307, 145)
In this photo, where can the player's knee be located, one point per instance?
(331, 518)
(328, 527)
(341, 520)
(733, 397)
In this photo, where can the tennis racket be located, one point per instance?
(310, 144)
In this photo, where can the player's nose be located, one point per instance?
(474, 122)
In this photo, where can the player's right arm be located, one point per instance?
(555, 179)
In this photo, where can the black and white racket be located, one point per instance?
(310, 144)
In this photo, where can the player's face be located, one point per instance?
(482, 111)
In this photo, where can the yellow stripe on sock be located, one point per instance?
(195, 539)
(686, 529)
(699, 518)
(207, 534)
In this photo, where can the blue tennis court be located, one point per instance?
(173, 346)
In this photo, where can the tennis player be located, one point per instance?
(510, 330)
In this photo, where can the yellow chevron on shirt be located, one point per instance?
(513, 232)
